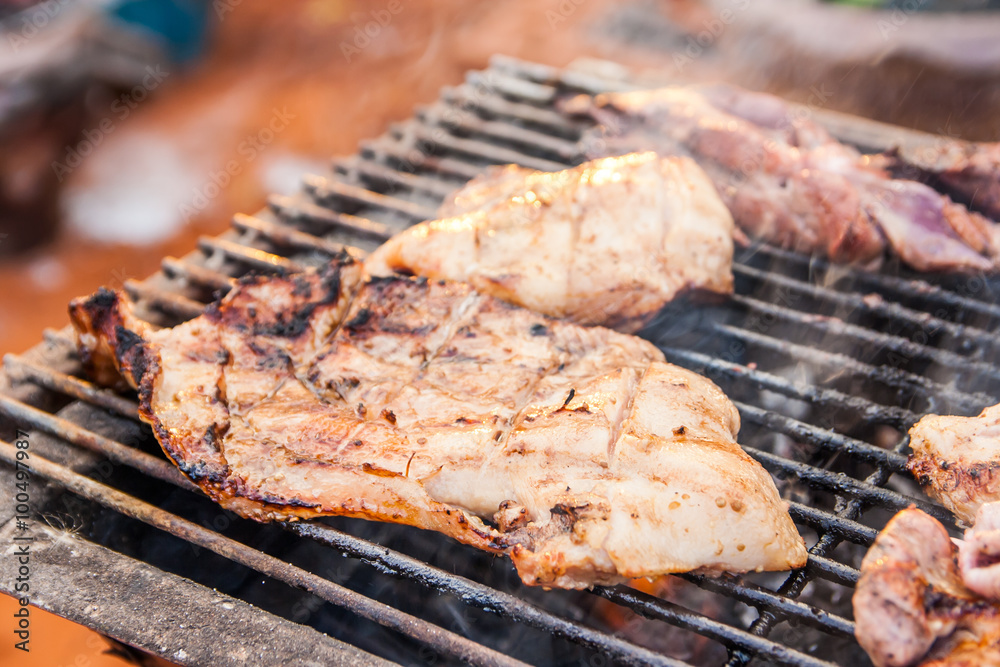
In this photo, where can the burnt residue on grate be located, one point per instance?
(828, 366)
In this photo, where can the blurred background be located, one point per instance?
(129, 128)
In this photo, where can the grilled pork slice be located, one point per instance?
(607, 243)
(957, 460)
(911, 606)
(969, 171)
(786, 180)
(577, 451)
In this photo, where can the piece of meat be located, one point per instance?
(606, 243)
(969, 171)
(911, 606)
(979, 553)
(577, 451)
(787, 181)
(957, 460)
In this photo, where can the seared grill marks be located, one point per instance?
(577, 451)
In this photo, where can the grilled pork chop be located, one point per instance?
(786, 180)
(911, 606)
(957, 460)
(607, 243)
(577, 451)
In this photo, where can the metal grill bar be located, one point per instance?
(397, 146)
(878, 307)
(356, 168)
(292, 210)
(914, 288)
(658, 609)
(892, 377)
(819, 396)
(252, 257)
(20, 370)
(169, 302)
(470, 591)
(324, 189)
(823, 438)
(447, 642)
(70, 432)
(858, 335)
(197, 274)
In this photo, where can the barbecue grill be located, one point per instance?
(829, 366)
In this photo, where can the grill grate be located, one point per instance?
(828, 366)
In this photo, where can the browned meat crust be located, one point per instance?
(575, 450)
(911, 606)
(957, 460)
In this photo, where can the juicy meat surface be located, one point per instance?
(979, 553)
(911, 606)
(607, 243)
(957, 460)
(970, 171)
(577, 451)
(786, 180)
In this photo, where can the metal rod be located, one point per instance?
(915, 288)
(324, 188)
(841, 364)
(94, 442)
(872, 413)
(357, 168)
(282, 234)
(195, 273)
(254, 257)
(169, 302)
(880, 307)
(877, 340)
(292, 209)
(473, 593)
(20, 369)
(390, 617)
(655, 608)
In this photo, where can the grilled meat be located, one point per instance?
(911, 607)
(786, 180)
(969, 171)
(957, 460)
(577, 451)
(979, 553)
(608, 243)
